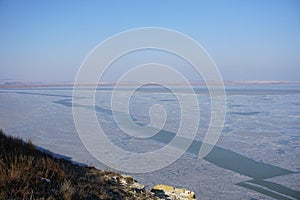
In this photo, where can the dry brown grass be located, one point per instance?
(27, 173)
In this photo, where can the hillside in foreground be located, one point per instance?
(29, 173)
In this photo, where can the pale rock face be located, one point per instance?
(172, 193)
(130, 182)
(162, 192)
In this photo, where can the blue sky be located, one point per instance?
(247, 39)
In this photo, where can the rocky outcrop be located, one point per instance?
(171, 193)
(162, 192)
(133, 184)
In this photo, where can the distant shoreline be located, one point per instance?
(19, 84)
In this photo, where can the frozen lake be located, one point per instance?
(256, 157)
